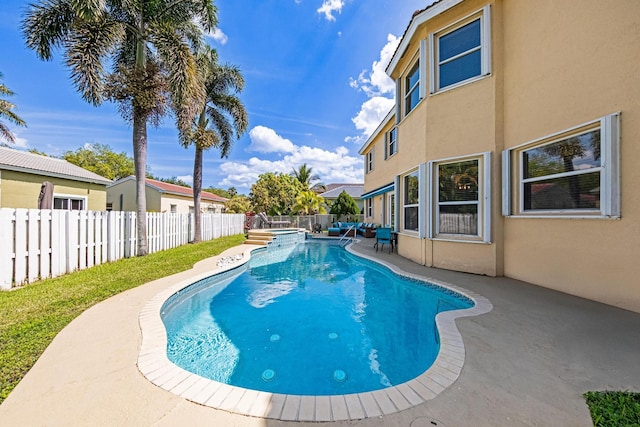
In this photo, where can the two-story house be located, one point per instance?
(510, 149)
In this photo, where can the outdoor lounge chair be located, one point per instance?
(265, 220)
(383, 235)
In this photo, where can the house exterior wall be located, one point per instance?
(554, 66)
(593, 72)
(21, 190)
(156, 201)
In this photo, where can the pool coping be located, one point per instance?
(154, 364)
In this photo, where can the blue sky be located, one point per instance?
(315, 89)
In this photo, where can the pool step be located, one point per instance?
(258, 237)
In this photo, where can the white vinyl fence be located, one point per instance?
(36, 244)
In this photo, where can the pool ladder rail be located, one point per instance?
(347, 236)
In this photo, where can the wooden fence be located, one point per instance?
(36, 244)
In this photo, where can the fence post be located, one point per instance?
(6, 247)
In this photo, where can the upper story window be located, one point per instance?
(392, 142)
(461, 53)
(574, 173)
(412, 88)
(368, 164)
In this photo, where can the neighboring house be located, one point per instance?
(74, 188)
(333, 191)
(161, 197)
(512, 144)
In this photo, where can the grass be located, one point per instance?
(614, 408)
(30, 317)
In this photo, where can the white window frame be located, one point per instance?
(609, 172)
(484, 15)
(369, 160)
(70, 197)
(389, 141)
(409, 91)
(401, 206)
(369, 203)
(483, 202)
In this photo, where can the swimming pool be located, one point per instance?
(155, 365)
(307, 319)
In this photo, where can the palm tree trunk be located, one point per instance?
(140, 163)
(197, 190)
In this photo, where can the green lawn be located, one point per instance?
(614, 408)
(31, 317)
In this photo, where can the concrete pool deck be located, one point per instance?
(527, 362)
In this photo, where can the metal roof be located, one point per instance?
(354, 190)
(22, 161)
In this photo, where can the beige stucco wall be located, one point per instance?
(21, 190)
(582, 64)
(555, 65)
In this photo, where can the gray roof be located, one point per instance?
(22, 161)
(354, 190)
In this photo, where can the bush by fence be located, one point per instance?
(36, 244)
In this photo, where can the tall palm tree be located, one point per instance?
(221, 116)
(6, 112)
(309, 180)
(150, 46)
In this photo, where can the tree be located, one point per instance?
(309, 180)
(221, 116)
(275, 194)
(150, 46)
(309, 203)
(6, 112)
(344, 205)
(101, 159)
(238, 204)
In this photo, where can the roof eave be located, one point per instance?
(54, 174)
(418, 20)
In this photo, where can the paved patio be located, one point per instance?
(528, 361)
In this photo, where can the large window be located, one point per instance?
(70, 203)
(460, 198)
(461, 53)
(411, 190)
(573, 173)
(412, 89)
(392, 142)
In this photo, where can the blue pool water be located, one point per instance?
(310, 319)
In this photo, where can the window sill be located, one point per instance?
(564, 216)
(470, 239)
(460, 84)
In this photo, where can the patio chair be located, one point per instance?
(383, 235)
(265, 220)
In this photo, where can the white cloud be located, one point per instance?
(186, 178)
(20, 142)
(371, 114)
(330, 166)
(266, 140)
(375, 82)
(218, 36)
(329, 7)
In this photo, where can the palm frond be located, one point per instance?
(86, 49)
(46, 26)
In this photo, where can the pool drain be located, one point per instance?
(274, 338)
(333, 336)
(339, 375)
(268, 375)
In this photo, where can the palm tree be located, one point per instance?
(309, 180)
(222, 115)
(6, 112)
(309, 203)
(150, 46)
